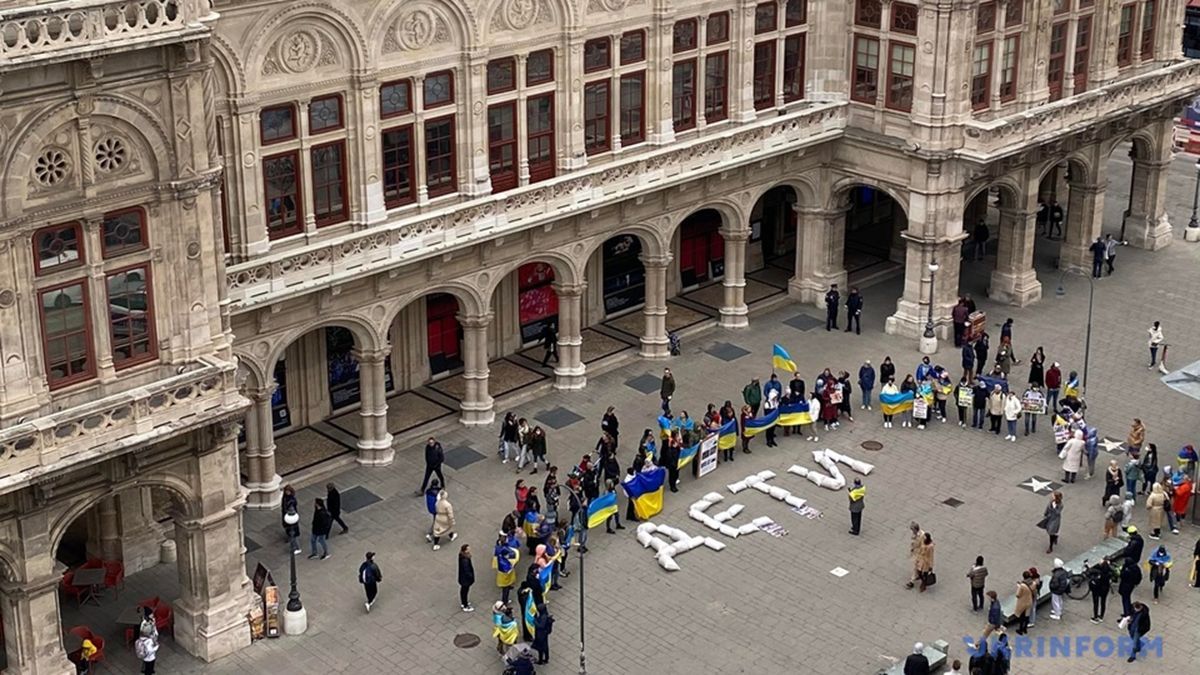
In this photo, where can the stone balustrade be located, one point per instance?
(37, 33)
(203, 392)
(275, 276)
(985, 140)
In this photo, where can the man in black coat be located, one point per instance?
(669, 458)
(549, 340)
(319, 535)
(543, 626)
(916, 663)
(1139, 626)
(1131, 576)
(333, 502)
(1056, 220)
(832, 298)
(854, 305)
(434, 456)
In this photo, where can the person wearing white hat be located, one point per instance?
(1060, 583)
(917, 663)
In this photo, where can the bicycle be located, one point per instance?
(1080, 588)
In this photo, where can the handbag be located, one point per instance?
(930, 578)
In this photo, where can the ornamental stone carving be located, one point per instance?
(110, 154)
(51, 167)
(415, 30)
(521, 14)
(300, 51)
(596, 6)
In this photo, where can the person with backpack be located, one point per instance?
(146, 649)
(1099, 580)
(370, 576)
(466, 578)
(1060, 583)
(1113, 515)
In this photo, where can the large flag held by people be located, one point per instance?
(530, 613)
(601, 509)
(686, 455)
(795, 414)
(727, 435)
(782, 360)
(893, 404)
(645, 490)
(758, 425)
(546, 577)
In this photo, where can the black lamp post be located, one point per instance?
(1061, 291)
(1195, 198)
(933, 268)
(293, 603)
(582, 557)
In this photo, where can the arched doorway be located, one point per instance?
(622, 275)
(538, 310)
(701, 249)
(873, 222)
(1001, 247)
(773, 230)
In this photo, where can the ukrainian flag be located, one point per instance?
(728, 435)
(794, 414)
(758, 425)
(782, 360)
(664, 424)
(686, 455)
(646, 492)
(504, 629)
(530, 613)
(601, 508)
(546, 577)
(892, 404)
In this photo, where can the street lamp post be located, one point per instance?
(1192, 233)
(582, 557)
(295, 618)
(929, 338)
(1061, 291)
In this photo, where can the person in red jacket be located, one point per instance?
(1053, 386)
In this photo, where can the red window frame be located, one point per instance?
(1149, 16)
(868, 13)
(602, 47)
(630, 55)
(1008, 88)
(450, 183)
(1057, 62)
(326, 188)
(406, 85)
(341, 114)
(511, 64)
(793, 67)
(981, 83)
(1125, 39)
(86, 331)
(865, 85)
(683, 94)
(106, 251)
(764, 78)
(717, 28)
(1083, 51)
(633, 117)
(449, 75)
(685, 36)
(904, 18)
(547, 54)
(895, 81)
(766, 17)
(38, 270)
(297, 195)
(539, 169)
(795, 13)
(716, 87)
(150, 335)
(262, 131)
(502, 171)
(596, 117)
(393, 168)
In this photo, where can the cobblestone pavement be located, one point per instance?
(764, 604)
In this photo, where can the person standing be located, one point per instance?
(1131, 577)
(288, 502)
(1052, 519)
(982, 343)
(1060, 583)
(1160, 570)
(854, 305)
(321, 525)
(1097, 248)
(887, 370)
(1100, 584)
(1110, 252)
(1155, 504)
(1031, 403)
(146, 649)
(1025, 601)
(669, 459)
(752, 395)
(1156, 339)
(914, 550)
(543, 625)
(832, 298)
(917, 663)
(610, 425)
(744, 417)
(666, 390)
(979, 403)
(866, 382)
(1139, 626)
(443, 520)
(995, 615)
(959, 315)
(549, 340)
(434, 456)
(466, 578)
(333, 502)
(978, 576)
(1053, 386)
(1072, 457)
(858, 497)
(996, 408)
(962, 399)
(968, 359)
(1136, 437)
(925, 559)
(979, 237)
(370, 576)
(1012, 412)
(1056, 220)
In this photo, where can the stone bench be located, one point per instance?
(936, 652)
(1093, 555)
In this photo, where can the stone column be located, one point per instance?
(912, 309)
(475, 178)
(375, 443)
(741, 62)
(570, 371)
(733, 308)
(1147, 226)
(1014, 280)
(410, 346)
(476, 404)
(826, 61)
(110, 529)
(262, 481)
(569, 102)
(654, 339)
(215, 595)
(32, 639)
(141, 535)
(1085, 217)
(820, 254)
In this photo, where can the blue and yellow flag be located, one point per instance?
(782, 360)
(546, 577)
(504, 628)
(892, 404)
(664, 425)
(727, 435)
(758, 425)
(531, 613)
(795, 414)
(686, 455)
(645, 490)
(601, 509)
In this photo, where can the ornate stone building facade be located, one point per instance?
(416, 187)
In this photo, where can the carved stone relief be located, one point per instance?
(416, 29)
(596, 6)
(300, 51)
(521, 14)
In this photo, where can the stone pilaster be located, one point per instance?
(820, 250)
(912, 309)
(477, 403)
(32, 639)
(654, 339)
(1014, 280)
(733, 308)
(110, 529)
(141, 535)
(1147, 225)
(475, 180)
(570, 372)
(374, 443)
(410, 346)
(1085, 217)
(262, 481)
(826, 60)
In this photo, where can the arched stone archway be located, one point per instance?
(1001, 216)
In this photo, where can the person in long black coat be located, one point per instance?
(543, 626)
(669, 458)
(333, 502)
